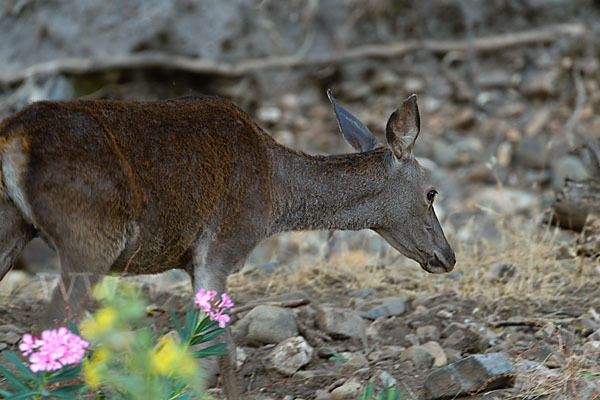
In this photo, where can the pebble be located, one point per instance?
(266, 325)
(427, 333)
(469, 375)
(419, 355)
(289, 356)
(353, 364)
(347, 391)
(386, 307)
(439, 355)
(340, 323)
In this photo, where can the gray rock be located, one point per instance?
(540, 83)
(466, 341)
(568, 167)
(502, 272)
(10, 334)
(289, 356)
(531, 374)
(353, 364)
(341, 323)
(419, 355)
(385, 307)
(384, 379)
(532, 152)
(579, 389)
(427, 333)
(439, 355)
(445, 154)
(347, 391)
(260, 269)
(266, 325)
(483, 372)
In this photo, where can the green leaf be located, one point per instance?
(72, 327)
(13, 380)
(207, 336)
(19, 364)
(65, 375)
(216, 350)
(175, 321)
(23, 395)
(66, 392)
(191, 321)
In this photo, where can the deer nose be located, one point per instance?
(438, 263)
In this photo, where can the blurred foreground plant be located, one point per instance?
(129, 360)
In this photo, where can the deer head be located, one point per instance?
(409, 223)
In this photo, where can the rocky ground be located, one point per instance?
(504, 122)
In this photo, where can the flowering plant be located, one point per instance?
(130, 359)
(53, 360)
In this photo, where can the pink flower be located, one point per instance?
(225, 301)
(27, 344)
(55, 349)
(204, 299)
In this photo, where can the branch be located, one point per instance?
(201, 66)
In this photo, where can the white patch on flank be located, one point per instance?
(13, 166)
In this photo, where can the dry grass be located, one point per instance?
(542, 276)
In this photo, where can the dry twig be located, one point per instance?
(201, 66)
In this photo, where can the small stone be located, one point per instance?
(347, 391)
(354, 363)
(502, 272)
(411, 339)
(465, 340)
(568, 167)
(444, 314)
(340, 323)
(487, 371)
(531, 374)
(266, 325)
(269, 114)
(321, 394)
(427, 333)
(383, 379)
(419, 355)
(10, 334)
(386, 307)
(289, 356)
(439, 356)
(592, 349)
(240, 358)
(540, 83)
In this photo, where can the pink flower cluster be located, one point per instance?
(56, 348)
(205, 301)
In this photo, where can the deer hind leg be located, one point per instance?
(81, 267)
(15, 233)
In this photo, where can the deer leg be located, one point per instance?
(81, 268)
(211, 266)
(15, 233)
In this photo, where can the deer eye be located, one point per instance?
(431, 195)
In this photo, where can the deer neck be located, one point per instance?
(326, 192)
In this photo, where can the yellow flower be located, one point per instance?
(171, 358)
(102, 321)
(93, 369)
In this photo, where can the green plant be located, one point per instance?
(387, 393)
(129, 360)
(339, 359)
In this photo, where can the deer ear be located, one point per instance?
(357, 135)
(403, 128)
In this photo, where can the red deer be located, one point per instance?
(194, 183)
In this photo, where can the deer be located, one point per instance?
(193, 183)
